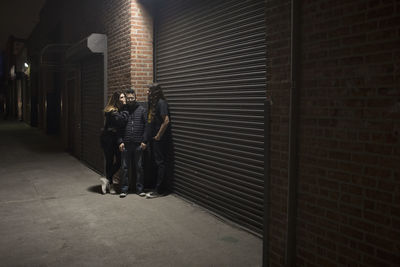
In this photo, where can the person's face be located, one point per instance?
(122, 99)
(130, 98)
(148, 92)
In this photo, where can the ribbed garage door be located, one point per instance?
(210, 61)
(92, 111)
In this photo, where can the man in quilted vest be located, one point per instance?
(132, 142)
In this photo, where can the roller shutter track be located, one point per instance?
(92, 111)
(211, 62)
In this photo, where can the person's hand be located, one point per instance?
(122, 147)
(157, 137)
(143, 146)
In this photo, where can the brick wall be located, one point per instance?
(349, 184)
(117, 26)
(129, 28)
(141, 38)
(278, 85)
(349, 193)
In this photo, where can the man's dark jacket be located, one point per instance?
(134, 130)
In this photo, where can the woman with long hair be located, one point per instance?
(114, 120)
(158, 119)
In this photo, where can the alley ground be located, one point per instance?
(51, 214)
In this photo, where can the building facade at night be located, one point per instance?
(285, 115)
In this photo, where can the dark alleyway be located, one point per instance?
(52, 215)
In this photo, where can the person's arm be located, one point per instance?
(163, 127)
(143, 145)
(163, 107)
(120, 140)
(119, 119)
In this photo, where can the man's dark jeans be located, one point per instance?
(132, 151)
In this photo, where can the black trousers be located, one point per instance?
(160, 152)
(112, 155)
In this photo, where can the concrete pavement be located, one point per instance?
(51, 214)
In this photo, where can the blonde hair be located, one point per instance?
(113, 102)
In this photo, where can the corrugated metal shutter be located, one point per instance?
(211, 62)
(92, 111)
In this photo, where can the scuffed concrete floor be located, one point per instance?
(51, 214)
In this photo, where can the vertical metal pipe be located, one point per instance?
(105, 86)
(155, 22)
(290, 255)
(105, 72)
(267, 105)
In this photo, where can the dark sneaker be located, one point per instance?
(152, 195)
(123, 194)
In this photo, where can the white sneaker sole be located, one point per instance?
(104, 183)
(149, 195)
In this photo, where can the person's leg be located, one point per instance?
(159, 151)
(109, 157)
(125, 161)
(117, 163)
(116, 157)
(138, 157)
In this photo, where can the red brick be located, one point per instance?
(388, 162)
(351, 63)
(388, 256)
(389, 233)
(379, 58)
(362, 225)
(374, 171)
(378, 149)
(339, 155)
(376, 218)
(370, 261)
(350, 210)
(348, 231)
(364, 181)
(380, 12)
(389, 23)
(379, 242)
(369, 205)
(379, 196)
(389, 91)
(351, 200)
(351, 168)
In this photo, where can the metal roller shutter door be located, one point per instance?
(211, 62)
(92, 111)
